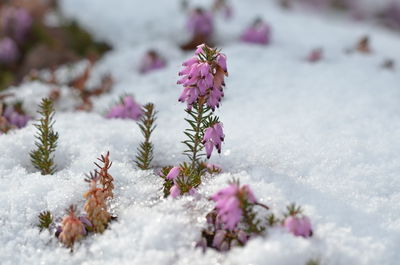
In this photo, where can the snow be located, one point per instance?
(323, 135)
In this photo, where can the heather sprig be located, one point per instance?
(198, 117)
(42, 158)
(72, 228)
(182, 179)
(95, 205)
(168, 183)
(203, 84)
(147, 126)
(105, 178)
(45, 220)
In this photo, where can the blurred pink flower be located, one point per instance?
(298, 226)
(128, 109)
(200, 22)
(258, 33)
(15, 118)
(151, 61)
(17, 23)
(228, 204)
(8, 51)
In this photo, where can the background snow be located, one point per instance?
(326, 136)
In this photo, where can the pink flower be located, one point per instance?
(128, 109)
(203, 77)
(173, 173)
(200, 22)
(315, 55)
(15, 118)
(259, 33)
(16, 22)
(175, 191)
(213, 167)
(8, 51)
(213, 136)
(219, 238)
(151, 61)
(229, 204)
(298, 226)
(392, 15)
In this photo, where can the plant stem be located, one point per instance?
(197, 139)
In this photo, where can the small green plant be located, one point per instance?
(45, 220)
(42, 158)
(313, 262)
(147, 126)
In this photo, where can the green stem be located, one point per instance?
(197, 139)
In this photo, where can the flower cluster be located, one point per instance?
(224, 7)
(229, 204)
(16, 23)
(298, 226)
(259, 33)
(203, 77)
(296, 223)
(200, 22)
(127, 109)
(181, 183)
(213, 136)
(12, 117)
(315, 55)
(151, 61)
(8, 51)
(234, 220)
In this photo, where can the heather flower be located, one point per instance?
(8, 51)
(213, 136)
(15, 118)
(180, 183)
(259, 33)
(219, 238)
(173, 173)
(175, 191)
(151, 61)
(200, 22)
(16, 23)
(298, 226)
(203, 77)
(315, 55)
(212, 168)
(224, 7)
(72, 229)
(392, 15)
(128, 109)
(229, 203)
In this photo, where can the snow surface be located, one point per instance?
(325, 135)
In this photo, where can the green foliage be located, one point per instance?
(198, 121)
(253, 224)
(293, 210)
(45, 220)
(42, 158)
(147, 126)
(82, 42)
(168, 183)
(313, 262)
(272, 219)
(6, 78)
